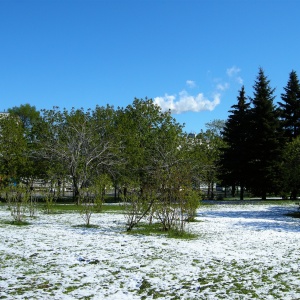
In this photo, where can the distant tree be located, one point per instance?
(216, 127)
(205, 153)
(264, 139)
(234, 156)
(289, 108)
(28, 116)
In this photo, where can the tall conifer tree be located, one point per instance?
(234, 160)
(264, 139)
(289, 108)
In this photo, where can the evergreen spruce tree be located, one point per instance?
(234, 160)
(289, 112)
(264, 139)
(289, 108)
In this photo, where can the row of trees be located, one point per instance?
(138, 149)
(144, 152)
(261, 152)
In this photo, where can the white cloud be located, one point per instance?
(190, 83)
(233, 71)
(186, 102)
(239, 80)
(223, 86)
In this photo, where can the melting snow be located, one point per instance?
(242, 252)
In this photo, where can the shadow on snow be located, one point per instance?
(265, 217)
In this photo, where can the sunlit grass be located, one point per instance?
(156, 229)
(16, 223)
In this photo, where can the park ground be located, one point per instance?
(241, 251)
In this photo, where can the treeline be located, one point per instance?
(262, 144)
(140, 149)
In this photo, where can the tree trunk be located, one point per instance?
(242, 192)
(233, 189)
(294, 195)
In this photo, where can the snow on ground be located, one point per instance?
(242, 252)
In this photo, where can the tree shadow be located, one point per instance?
(279, 218)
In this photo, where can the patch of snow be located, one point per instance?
(242, 252)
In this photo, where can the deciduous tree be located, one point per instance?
(78, 142)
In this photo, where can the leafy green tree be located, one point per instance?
(264, 139)
(289, 108)
(13, 149)
(77, 144)
(152, 144)
(216, 127)
(144, 133)
(29, 118)
(28, 115)
(205, 154)
(178, 200)
(234, 156)
(17, 198)
(291, 170)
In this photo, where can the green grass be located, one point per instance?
(184, 235)
(156, 229)
(16, 223)
(85, 226)
(69, 208)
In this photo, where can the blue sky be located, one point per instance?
(188, 55)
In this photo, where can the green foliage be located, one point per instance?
(86, 226)
(264, 140)
(27, 114)
(86, 204)
(142, 144)
(290, 167)
(18, 223)
(137, 205)
(13, 148)
(98, 187)
(92, 197)
(28, 118)
(234, 156)
(156, 229)
(49, 201)
(32, 202)
(77, 143)
(191, 203)
(289, 108)
(204, 152)
(181, 234)
(17, 198)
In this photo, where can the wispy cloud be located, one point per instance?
(233, 73)
(239, 80)
(191, 83)
(186, 102)
(223, 86)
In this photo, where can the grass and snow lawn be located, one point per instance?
(241, 252)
